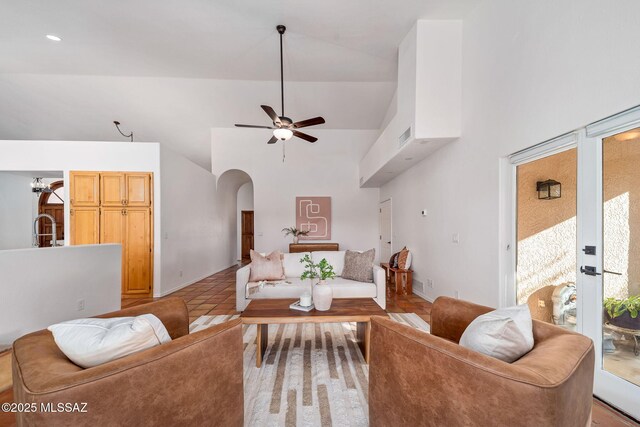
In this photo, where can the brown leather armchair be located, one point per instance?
(422, 379)
(196, 379)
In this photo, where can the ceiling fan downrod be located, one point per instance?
(281, 29)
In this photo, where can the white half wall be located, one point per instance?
(327, 168)
(42, 286)
(16, 211)
(90, 156)
(531, 71)
(190, 241)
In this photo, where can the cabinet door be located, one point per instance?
(84, 188)
(138, 256)
(112, 230)
(84, 225)
(112, 225)
(112, 189)
(138, 189)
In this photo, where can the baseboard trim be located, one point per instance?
(422, 295)
(191, 282)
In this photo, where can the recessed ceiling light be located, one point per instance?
(54, 38)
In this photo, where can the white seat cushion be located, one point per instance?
(293, 287)
(292, 265)
(346, 288)
(506, 333)
(92, 342)
(335, 258)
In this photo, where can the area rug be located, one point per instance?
(312, 374)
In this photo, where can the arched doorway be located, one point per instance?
(235, 195)
(51, 203)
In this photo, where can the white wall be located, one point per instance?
(89, 156)
(245, 203)
(190, 235)
(16, 216)
(327, 168)
(177, 112)
(42, 286)
(531, 71)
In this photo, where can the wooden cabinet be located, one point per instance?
(112, 189)
(85, 223)
(125, 189)
(124, 215)
(85, 188)
(138, 189)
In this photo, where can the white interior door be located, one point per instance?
(385, 231)
(610, 222)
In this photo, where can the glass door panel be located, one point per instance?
(546, 238)
(621, 255)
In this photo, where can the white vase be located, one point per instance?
(322, 296)
(295, 240)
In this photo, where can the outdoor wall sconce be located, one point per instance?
(548, 189)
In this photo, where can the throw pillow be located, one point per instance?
(266, 267)
(506, 333)
(404, 259)
(358, 266)
(92, 342)
(393, 261)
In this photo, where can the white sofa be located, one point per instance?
(292, 286)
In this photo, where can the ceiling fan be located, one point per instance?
(283, 127)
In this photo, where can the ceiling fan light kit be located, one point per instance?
(283, 127)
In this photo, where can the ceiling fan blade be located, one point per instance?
(272, 114)
(254, 126)
(273, 140)
(308, 122)
(305, 136)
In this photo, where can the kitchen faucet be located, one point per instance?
(53, 230)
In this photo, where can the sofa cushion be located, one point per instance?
(335, 258)
(292, 265)
(506, 333)
(293, 287)
(92, 342)
(267, 267)
(359, 265)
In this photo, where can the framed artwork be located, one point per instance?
(314, 214)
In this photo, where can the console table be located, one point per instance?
(312, 247)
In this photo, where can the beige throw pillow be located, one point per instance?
(266, 267)
(359, 266)
(506, 333)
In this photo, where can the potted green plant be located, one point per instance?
(322, 293)
(623, 313)
(292, 231)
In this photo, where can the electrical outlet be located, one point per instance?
(430, 283)
(180, 273)
(455, 238)
(80, 305)
(541, 303)
(456, 294)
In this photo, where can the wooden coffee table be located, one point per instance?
(265, 312)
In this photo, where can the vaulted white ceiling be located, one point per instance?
(144, 62)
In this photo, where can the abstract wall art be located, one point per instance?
(314, 214)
